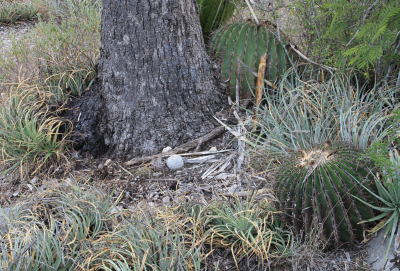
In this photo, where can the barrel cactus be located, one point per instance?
(248, 42)
(316, 187)
(213, 13)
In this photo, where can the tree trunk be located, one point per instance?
(156, 78)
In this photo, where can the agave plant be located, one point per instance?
(300, 115)
(76, 227)
(213, 13)
(247, 42)
(249, 227)
(315, 187)
(390, 198)
(29, 133)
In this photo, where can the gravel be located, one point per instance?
(8, 31)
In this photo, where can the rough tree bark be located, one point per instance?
(155, 76)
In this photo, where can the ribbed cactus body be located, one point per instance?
(213, 13)
(316, 187)
(248, 42)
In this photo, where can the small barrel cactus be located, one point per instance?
(316, 187)
(248, 42)
(213, 13)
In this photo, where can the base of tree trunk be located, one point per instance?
(87, 116)
(85, 113)
(156, 78)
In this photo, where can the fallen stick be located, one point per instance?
(182, 148)
(245, 193)
(259, 87)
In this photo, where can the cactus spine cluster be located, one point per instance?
(248, 42)
(316, 187)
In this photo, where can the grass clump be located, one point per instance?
(12, 11)
(31, 134)
(75, 227)
(249, 229)
(58, 53)
(55, 59)
(386, 153)
(301, 114)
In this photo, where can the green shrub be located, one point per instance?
(13, 11)
(60, 9)
(358, 34)
(59, 55)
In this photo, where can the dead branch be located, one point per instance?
(255, 74)
(182, 148)
(260, 85)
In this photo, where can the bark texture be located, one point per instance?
(156, 78)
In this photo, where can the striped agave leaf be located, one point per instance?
(213, 13)
(316, 187)
(248, 42)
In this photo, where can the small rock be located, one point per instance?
(107, 162)
(116, 209)
(156, 174)
(157, 163)
(166, 200)
(167, 149)
(68, 182)
(224, 176)
(15, 194)
(376, 251)
(233, 188)
(100, 166)
(34, 180)
(213, 149)
(175, 162)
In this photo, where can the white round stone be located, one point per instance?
(175, 162)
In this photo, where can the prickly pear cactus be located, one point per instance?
(316, 185)
(213, 13)
(248, 42)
